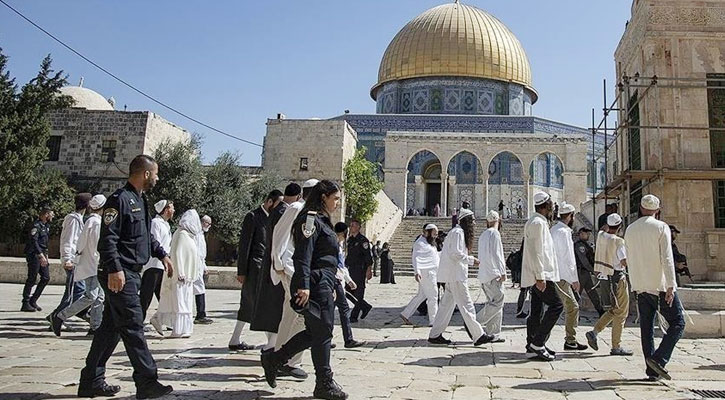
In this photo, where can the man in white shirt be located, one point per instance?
(72, 228)
(199, 284)
(540, 272)
(492, 275)
(652, 273)
(611, 262)
(425, 266)
(86, 269)
(561, 234)
(153, 271)
(453, 271)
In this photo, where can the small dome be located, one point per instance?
(86, 98)
(455, 40)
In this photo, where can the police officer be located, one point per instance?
(359, 261)
(125, 246)
(36, 253)
(313, 282)
(585, 268)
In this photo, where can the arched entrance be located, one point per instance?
(423, 184)
(547, 174)
(506, 186)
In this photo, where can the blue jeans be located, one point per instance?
(73, 291)
(92, 297)
(648, 305)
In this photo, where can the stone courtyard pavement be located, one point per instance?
(397, 362)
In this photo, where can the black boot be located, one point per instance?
(105, 390)
(329, 390)
(271, 367)
(26, 307)
(154, 391)
(33, 303)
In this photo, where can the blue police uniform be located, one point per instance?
(36, 246)
(125, 244)
(359, 259)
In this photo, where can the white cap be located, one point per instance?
(464, 213)
(541, 198)
(566, 208)
(614, 219)
(97, 201)
(430, 226)
(492, 216)
(650, 202)
(310, 183)
(160, 205)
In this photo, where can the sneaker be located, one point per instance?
(241, 347)
(439, 340)
(521, 315)
(329, 390)
(659, 369)
(576, 346)
(620, 352)
(484, 339)
(406, 321)
(353, 343)
(27, 308)
(34, 304)
(270, 368)
(154, 391)
(592, 340)
(157, 325)
(365, 313)
(651, 378)
(294, 372)
(105, 390)
(203, 321)
(56, 323)
(531, 350)
(543, 355)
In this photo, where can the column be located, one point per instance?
(419, 192)
(529, 196)
(486, 197)
(478, 194)
(444, 194)
(452, 196)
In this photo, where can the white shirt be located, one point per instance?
(283, 246)
(87, 248)
(202, 250)
(425, 255)
(539, 260)
(649, 250)
(621, 253)
(72, 228)
(161, 231)
(454, 259)
(564, 250)
(490, 252)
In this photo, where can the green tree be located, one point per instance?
(25, 185)
(182, 177)
(361, 184)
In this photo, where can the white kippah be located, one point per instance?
(310, 183)
(650, 202)
(160, 205)
(614, 219)
(541, 198)
(566, 208)
(430, 226)
(464, 213)
(97, 201)
(492, 216)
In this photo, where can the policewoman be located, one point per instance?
(315, 262)
(125, 246)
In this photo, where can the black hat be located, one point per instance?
(674, 229)
(584, 229)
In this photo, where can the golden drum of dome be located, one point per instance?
(455, 40)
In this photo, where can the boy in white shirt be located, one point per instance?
(492, 275)
(425, 265)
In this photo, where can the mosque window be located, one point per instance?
(304, 164)
(635, 152)
(716, 109)
(54, 147)
(108, 150)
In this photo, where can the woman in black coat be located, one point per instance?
(386, 265)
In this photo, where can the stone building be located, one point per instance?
(92, 143)
(671, 61)
(454, 123)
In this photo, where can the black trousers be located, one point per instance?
(587, 284)
(122, 320)
(540, 323)
(318, 333)
(361, 305)
(34, 269)
(150, 285)
(344, 310)
(200, 306)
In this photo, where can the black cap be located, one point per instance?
(584, 229)
(674, 229)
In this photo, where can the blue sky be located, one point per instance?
(233, 64)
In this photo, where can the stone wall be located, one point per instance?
(159, 130)
(388, 216)
(676, 39)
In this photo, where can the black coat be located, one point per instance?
(387, 275)
(359, 258)
(270, 298)
(253, 257)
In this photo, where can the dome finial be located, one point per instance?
(80, 84)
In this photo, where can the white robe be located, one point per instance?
(177, 297)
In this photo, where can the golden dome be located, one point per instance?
(455, 40)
